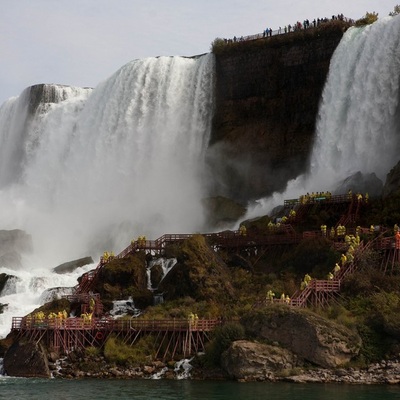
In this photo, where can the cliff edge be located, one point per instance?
(267, 97)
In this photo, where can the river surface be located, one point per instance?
(43, 389)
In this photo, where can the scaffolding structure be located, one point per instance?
(185, 337)
(170, 336)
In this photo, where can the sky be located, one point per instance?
(83, 42)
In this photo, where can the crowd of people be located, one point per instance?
(282, 299)
(306, 24)
(39, 318)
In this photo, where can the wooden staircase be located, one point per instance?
(319, 293)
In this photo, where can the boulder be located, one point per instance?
(9, 282)
(246, 360)
(57, 293)
(362, 183)
(71, 266)
(201, 274)
(392, 184)
(309, 336)
(124, 277)
(26, 360)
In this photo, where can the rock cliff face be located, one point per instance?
(309, 336)
(267, 97)
(26, 360)
(42, 95)
(199, 272)
(392, 184)
(256, 361)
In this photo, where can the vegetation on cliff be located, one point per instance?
(369, 18)
(360, 327)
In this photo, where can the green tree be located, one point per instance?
(217, 45)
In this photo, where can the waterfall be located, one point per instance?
(358, 120)
(93, 168)
(22, 123)
(358, 124)
(102, 166)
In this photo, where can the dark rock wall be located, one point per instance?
(42, 95)
(26, 360)
(392, 184)
(267, 97)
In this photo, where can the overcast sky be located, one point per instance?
(83, 42)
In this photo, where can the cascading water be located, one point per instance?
(359, 118)
(99, 167)
(166, 266)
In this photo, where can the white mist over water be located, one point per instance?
(92, 172)
(359, 118)
(123, 159)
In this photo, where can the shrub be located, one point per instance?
(217, 44)
(92, 351)
(115, 351)
(374, 344)
(368, 19)
(223, 337)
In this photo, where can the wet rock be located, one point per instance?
(9, 281)
(392, 184)
(71, 266)
(26, 359)
(362, 183)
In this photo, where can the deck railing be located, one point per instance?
(110, 324)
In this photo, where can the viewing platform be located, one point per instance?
(171, 336)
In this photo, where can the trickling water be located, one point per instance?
(160, 375)
(182, 368)
(359, 118)
(124, 307)
(95, 169)
(166, 265)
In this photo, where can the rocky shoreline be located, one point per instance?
(385, 372)
(74, 367)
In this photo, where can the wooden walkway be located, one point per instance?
(171, 336)
(285, 234)
(320, 293)
(180, 337)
